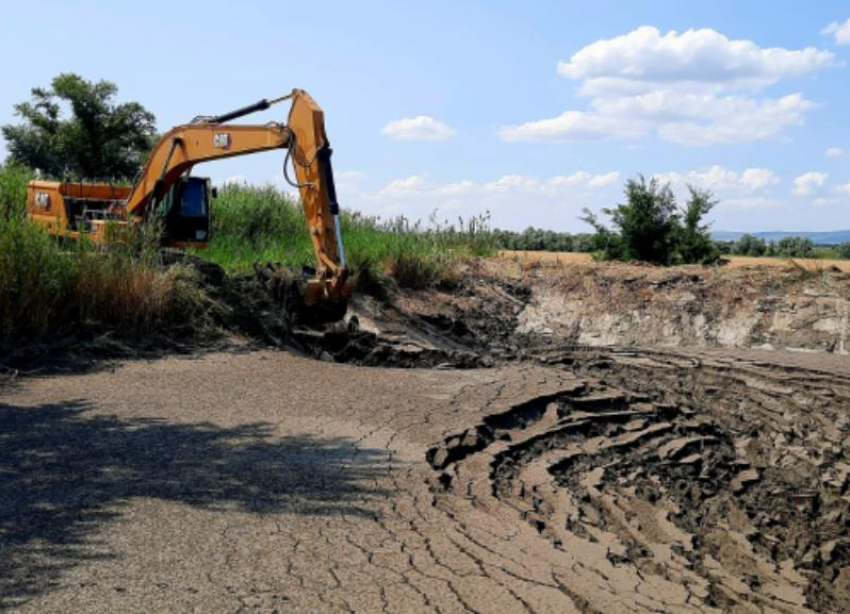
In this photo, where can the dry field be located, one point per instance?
(572, 258)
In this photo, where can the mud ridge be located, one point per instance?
(731, 477)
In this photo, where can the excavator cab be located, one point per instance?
(185, 211)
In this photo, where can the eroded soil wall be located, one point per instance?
(626, 305)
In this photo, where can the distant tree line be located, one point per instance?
(787, 247)
(651, 226)
(539, 240)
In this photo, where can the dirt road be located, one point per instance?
(582, 481)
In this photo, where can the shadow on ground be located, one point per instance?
(64, 473)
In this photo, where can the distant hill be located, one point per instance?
(818, 238)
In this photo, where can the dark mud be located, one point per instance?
(466, 323)
(730, 476)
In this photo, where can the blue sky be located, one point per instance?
(528, 110)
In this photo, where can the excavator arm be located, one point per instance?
(212, 138)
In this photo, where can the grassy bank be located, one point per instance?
(49, 289)
(253, 224)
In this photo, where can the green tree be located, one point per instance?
(76, 129)
(748, 245)
(646, 224)
(795, 247)
(694, 244)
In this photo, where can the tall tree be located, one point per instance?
(76, 129)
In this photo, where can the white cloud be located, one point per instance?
(419, 185)
(693, 88)
(840, 31)
(580, 180)
(758, 178)
(600, 181)
(687, 119)
(574, 125)
(508, 183)
(835, 152)
(723, 180)
(516, 201)
(400, 187)
(532, 200)
(419, 128)
(809, 183)
(644, 59)
(823, 201)
(456, 189)
(732, 119)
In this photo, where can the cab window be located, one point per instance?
(194, 201)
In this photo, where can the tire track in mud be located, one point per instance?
(673, 483)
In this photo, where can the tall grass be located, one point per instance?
(13, 191)
(253, 224)
(49, 288)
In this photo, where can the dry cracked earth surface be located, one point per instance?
(574, 480)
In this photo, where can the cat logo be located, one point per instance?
(221, 140)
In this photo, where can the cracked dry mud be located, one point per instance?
(562, 480)
(620, 481)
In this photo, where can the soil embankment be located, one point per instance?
(772, 307)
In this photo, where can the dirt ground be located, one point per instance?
(510, 470)
(734, 261)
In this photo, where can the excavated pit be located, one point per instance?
(703, 478)
(726, 476)
(690, 467)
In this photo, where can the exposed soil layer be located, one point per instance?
(773, 307)
(501, 309)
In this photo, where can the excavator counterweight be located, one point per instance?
(165, 190)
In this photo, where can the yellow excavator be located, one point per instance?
(165, 190)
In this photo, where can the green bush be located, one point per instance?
(538, 239)
(650, 226)
(748, 245)
(795, 247)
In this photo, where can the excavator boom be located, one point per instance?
(165, 189)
